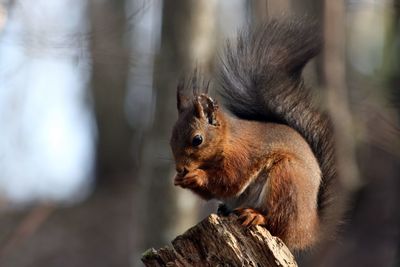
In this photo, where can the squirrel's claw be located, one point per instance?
(249, 216)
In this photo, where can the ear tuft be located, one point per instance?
(209, 107)
(182, 101)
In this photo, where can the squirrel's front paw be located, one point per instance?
(249, 216)
(194, 179)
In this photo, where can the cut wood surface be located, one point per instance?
(222, 241)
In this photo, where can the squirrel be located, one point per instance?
(268, 154)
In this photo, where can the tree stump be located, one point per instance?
(222, 241)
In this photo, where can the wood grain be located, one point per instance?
(221, 241)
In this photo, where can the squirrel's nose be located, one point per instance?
(181, 170)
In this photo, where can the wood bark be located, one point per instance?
(222, 241)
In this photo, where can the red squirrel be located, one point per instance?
(268, 154)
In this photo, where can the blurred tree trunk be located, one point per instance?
(260, 10)
(391, 63)
(392, 75)
(110, 209)
(312, 8)
(110, 61)
(187, 29)
(278, 8)
(335, 81)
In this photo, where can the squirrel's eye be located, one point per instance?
(197, 140)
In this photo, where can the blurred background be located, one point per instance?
(87, 103)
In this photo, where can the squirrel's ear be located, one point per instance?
(182, 101)
(206, 107)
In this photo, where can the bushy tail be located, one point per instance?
(260, 78)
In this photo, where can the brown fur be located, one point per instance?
(292, 212)
(266, 172)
